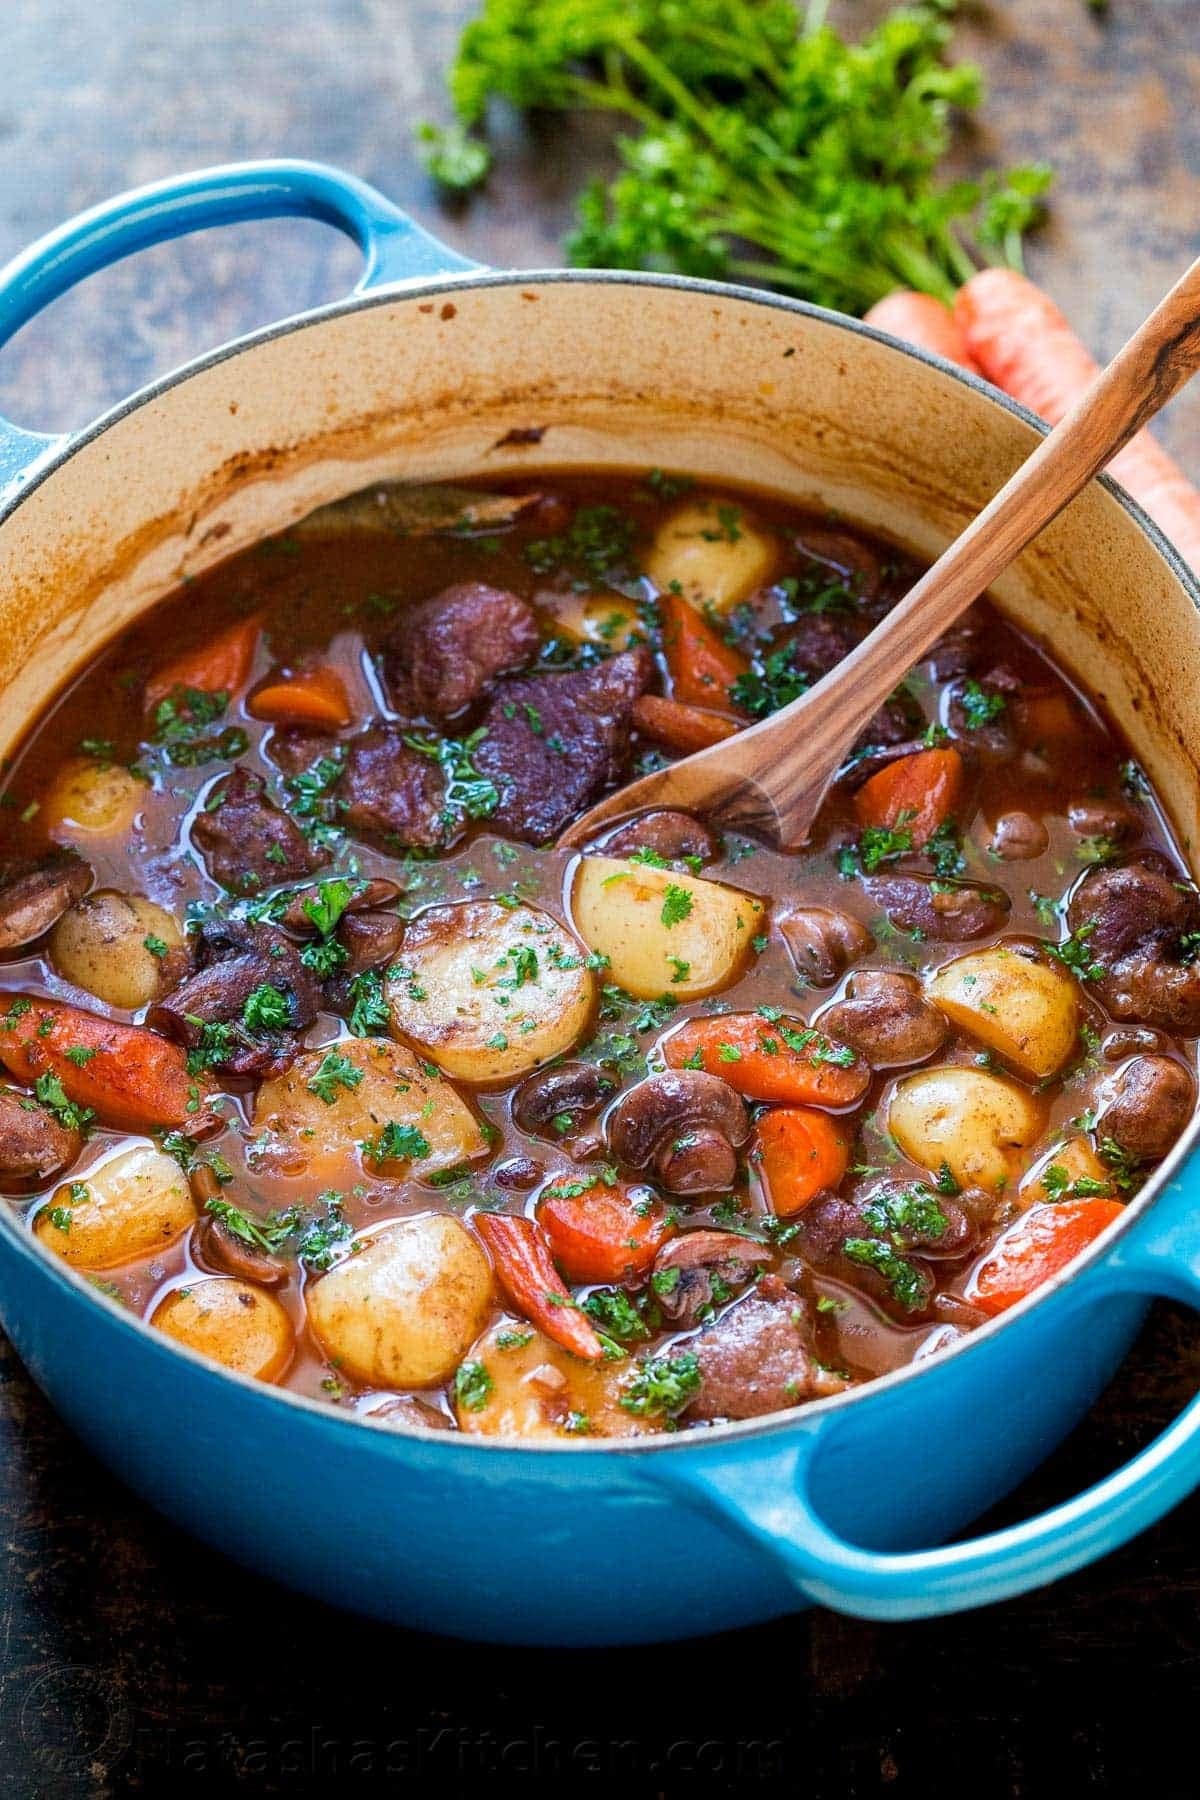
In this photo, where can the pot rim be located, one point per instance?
(811, 1415)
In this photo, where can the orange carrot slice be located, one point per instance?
(221, 665)
(684, 728)
(703, 667)
(771, 1059)
(915, 794)
(309, 697)
(596, 1231)
(525, 1269)
(1042, 1241)
(799, 1151)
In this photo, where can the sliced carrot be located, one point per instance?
(684, 728)
(703, 666)
(127, 1075)
(915, 794)
(220, 665)
(923, 320)
(309, 697)
(1041, 1242)
(771, 1059)
(525, 1270)
(598, 1233)
(798, 1152)
(1022, 342)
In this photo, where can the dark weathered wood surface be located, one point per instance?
(131, 1660)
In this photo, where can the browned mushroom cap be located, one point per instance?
(886, 1018)
(405, 1411)
(560, 1097)
(219, 1248)
(369, 939)
(685, 1121)
(1147, 1106)
(371, 894)
(824, 943)
(34, 896)
(711, 1265)
(674, 835)
(34, 1147)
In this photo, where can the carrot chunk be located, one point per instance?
(309, 697)
(684, 728)
(703, 667)
(598, 1233)
(771, 1059)
(127, 1075)
(525, 1270)
(915, 794)
(923, 320)
(222, 665)
(1041, 1242)
(798, 1152)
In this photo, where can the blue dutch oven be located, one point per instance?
(423, 371)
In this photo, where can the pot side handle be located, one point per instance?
(759, 1489)
(394, 247)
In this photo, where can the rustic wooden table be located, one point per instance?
(134, 1661)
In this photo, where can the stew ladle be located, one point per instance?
(772, 777)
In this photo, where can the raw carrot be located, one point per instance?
(771, 1059)
(308, 697)
(1041, 1242)
(1022, 342)
(798, 1152)
(596, 1231)
(703, 667)
(923, 320)
(915, 794)
(128, 1076)
(220, 665)
(684, 728)
(525, 1270)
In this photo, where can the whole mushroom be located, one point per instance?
(685, 1125)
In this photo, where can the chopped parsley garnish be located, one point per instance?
(468, 793)
(1075, 954)
(677, 904)
(1058, 1184)
(396, 1143)
(614, 1312)
(910, 1288)
(596, 543)
(979, 706)
(911, 1212)
(369, 1011)
(155, 945)
(50, 1091)
(662, 1386)
(775, 683)
(266, 1009)
(335, 1071)
(181, 728)
(879, 844)
(472, 1386)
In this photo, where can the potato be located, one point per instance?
(1026, 1011)
(978, 1124)
(234, 1322)
(490, 991)
(307, 1133)
(663, 933)
(538, 1390)
(605, 619)
(711, 550)
(92, 799)
(405, 1310)
(134, 1203)
(1074, 1161)
(103, 945)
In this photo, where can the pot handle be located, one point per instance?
(394, 247)
(760, 1488)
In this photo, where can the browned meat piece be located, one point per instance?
(897, 721)
(960, 649)
(701, 1269)
(845, 557)
(551, 1102)
(685, 1123)
(295, 748)
(367, 896)
(1103, 818)
(980, 711)
(1140, 921)
(404, 1411)
(836, 1235)
(675, 835)
(518, 1172)
(948, 912)
(247, 844)
(886, 1018)
(238, 959)
(34, 1147)
(1148, 1106)
(1018, 836)
(221, 1248)
(911, 1216)
(819, 641)
(447, 651)
(395, 796)
(34, 896)
(554, 742)
(370, 939)
(758, 1357)
(823, 943)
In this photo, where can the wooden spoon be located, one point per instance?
(772, 777)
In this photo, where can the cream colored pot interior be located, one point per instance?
(617, 373)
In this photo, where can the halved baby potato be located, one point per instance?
(404, 1311)
(608, 620)
(978, 1124)
(1055, 1175)
(316, 1119)
(711, 552)
(92, 799)
(490, 991)
(531, 1388)
(131, 1205)
(234, 1322)
(1026, 1010)
(120, 947)
(663, 933)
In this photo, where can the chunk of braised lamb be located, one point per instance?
(948, 912)
(553, 743)
(961, 649)
(887, 1019)
(1111, 819)
(823, 942)
(295, 748)
(370, 940)
(34, 1146)
(247, 843)
(898, 721)
(980, 712)
(758, 1357)
(35, 895)
(239, 958)
(676, 836)
(446, 652)
(1147, 1107)
(702, 1269)
(846, 557)
(819, 641)
(393, 795)
(1141, 922)
(834, 1235)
